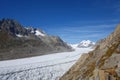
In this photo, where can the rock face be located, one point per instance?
(103, 63)
(18, 42)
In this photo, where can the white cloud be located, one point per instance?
(88, 29)
(76, 34)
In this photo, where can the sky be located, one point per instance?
(72, 20)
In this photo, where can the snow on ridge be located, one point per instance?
(19, 35)
(38, 33)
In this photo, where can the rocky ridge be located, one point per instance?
(17, 41)
(103, 63)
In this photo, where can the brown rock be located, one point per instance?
(101, 64)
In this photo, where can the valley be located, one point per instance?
(46, 67)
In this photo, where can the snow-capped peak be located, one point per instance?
(86, 43)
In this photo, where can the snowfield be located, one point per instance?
(46, 67)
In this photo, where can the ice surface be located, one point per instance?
(46, 67)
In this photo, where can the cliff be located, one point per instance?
(103, 63)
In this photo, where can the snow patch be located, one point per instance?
(38, 33)
(19, 35)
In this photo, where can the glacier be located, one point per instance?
(46, 67)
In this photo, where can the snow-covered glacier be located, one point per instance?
(46, 67)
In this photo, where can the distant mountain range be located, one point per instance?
(84, 44)
(17, 41)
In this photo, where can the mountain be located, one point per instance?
(85, 44)
(103, 63)
(17, 41)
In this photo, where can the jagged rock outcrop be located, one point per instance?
(17, 41)
(103, 63)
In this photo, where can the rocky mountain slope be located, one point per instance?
(103, 63)
(85, 44)
(17, 41)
